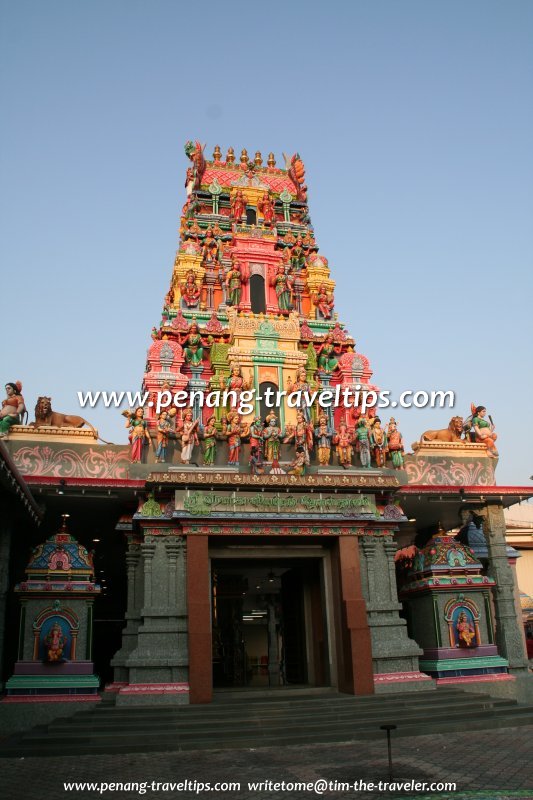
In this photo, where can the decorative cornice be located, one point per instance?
(319, 480)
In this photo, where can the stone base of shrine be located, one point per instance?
(150, 694)
(513, 687)
(477, 662)
(386, 682)
(34, 680)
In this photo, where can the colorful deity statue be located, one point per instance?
(378, 442)
(195, 173)
(234, 430)
(395, 444)
(272, 438)
(323, 438)
(55, 642)
(169, 298)
(187, 432)
(210, 249)
(363, 442)
(323, 300)
(12, 408)
(466, 634)
(266, 207)
(298, 465)
(256, 433)
(343, 440)
(235, 383)
(327, 360)
(234, 281)
(194, 344)
(209, 436)
(138, 432)
(164, 427)
(301, 434)
(238, 205)
(190, 291)
(283, 283)
(256, 461)
(483, 430)
(298, 255)
(301, 386)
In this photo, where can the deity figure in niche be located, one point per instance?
(363, 442)
(298, 465)
(272, 437)
(187, 432)
(210, 249)
(283, 283)
(235, 383)
(234, 281)
(55, 641)
(163, 429)
(395, 444)
(194, 344)
(323, 437)
(138, 432)
(266, 207)
(190, 291)
(301, 385)
(256, 461)
(484, 430)
(301, 434)
(327, 360)
(343, 440)
(234, 430)
(466, 634)
(209, 436)
(378, 442)
(238, 205)
(12, 408)
(298, 255)
(257, 433)
(323, 300)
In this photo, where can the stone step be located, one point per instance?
(215, 710)
(92, 746)
(264, 721)
(152, 720)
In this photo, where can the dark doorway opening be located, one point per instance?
(257, 294)
(251, 216)
(268, 623)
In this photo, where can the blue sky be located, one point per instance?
(414, 120)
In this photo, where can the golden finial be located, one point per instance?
(217, 155)
(271, 160)
(258, 160)
(230, 155)
(244, 157)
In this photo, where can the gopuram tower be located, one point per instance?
(264, 552)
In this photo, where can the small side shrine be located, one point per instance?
(449, 607)
(55, 644)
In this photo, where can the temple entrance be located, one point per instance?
(268, 623)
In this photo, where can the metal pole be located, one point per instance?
(388, 729)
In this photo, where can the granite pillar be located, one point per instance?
(394, 654)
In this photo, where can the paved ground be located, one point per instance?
(485, 765)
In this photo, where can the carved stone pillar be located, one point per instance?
(158, 663)
(132, 616)
(508, 631)
(394, 654)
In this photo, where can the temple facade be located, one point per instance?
(255, 531)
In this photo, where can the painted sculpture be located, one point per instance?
(12, 408)
(483, 430)
(395, 444)
(138, 432)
